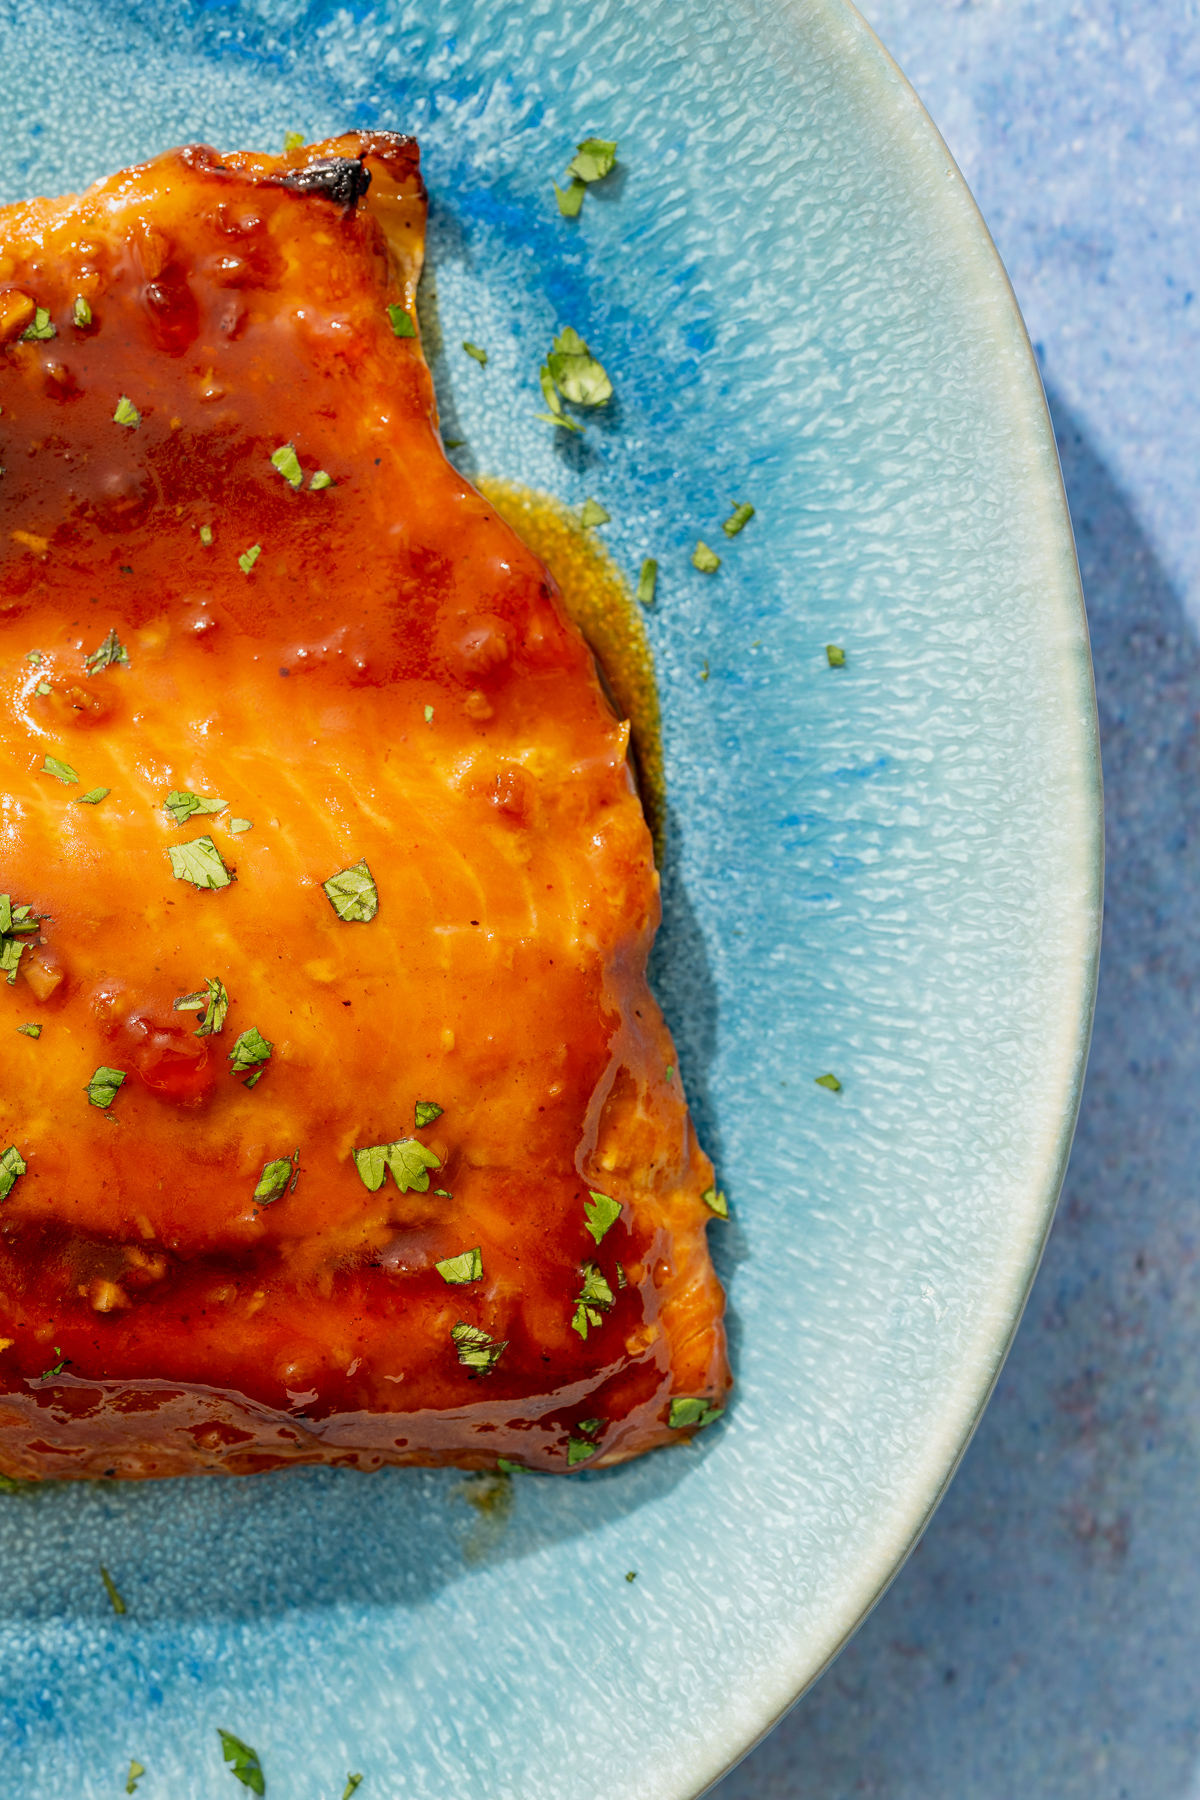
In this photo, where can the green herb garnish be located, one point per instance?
(102, 1088)
(59, 1366)
(127, 413)
(272, 1183)
(426, 1112)
(61, 771)
(11, 953)
(12, 1164)
(409, 1162)
(593, 1300)
(237, 826)
(715, 1200)
(320, 481)
(206, 536)
(631, 1574)
(292, 140)
(570, 198)
(112, 650)
(577, 1449)
(110, 1587)
(593, 513)
(506, 1467)
(560, 418)
(576, 373)
(248, 558)
(594, 159)
(93, 797)
(692, 1412)
(602, 1212)
(835, 656)
(81, 315)
(739, 517)
(249, 1049)
(246, 1765)
(212, 1001)
(288, 463)
(181, 803)
(352, 1782)
(33, 1031)
(199, 861)
(136, 1771)
(43, 688)
(476, 1350)
(429, 715)
(41, 330)
(352, 894)
(402, 323)
(458, 1270)
(474, 351)
(647, 582)
(704, 559)
(829, 1081)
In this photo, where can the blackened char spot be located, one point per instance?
(342, 179)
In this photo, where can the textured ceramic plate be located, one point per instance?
(890, 871)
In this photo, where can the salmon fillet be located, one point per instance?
(340, 1123)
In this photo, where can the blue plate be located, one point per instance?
(889, 870)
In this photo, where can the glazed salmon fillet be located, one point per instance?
(339, 1124)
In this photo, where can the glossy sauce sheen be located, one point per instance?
(503, 975)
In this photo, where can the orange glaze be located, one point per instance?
(503, 975)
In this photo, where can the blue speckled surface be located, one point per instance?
(889, 870)
(1045, 1639)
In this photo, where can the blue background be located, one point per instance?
(1044, 1640)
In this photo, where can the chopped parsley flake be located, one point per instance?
(206, 535)
(102, 1088)
(110, 1587)
(714, 1199)
(601, 1213)
(248, 558)
(829, 1081)
(692, 1412)
(127, 413)
(319, 481)
(288, 463)
(112, 650)
(593, 513)
(704, 559)
(41, 330)
(409, 1162)
(59, 1366)
(506, 1467)
(593, 1300)
(246, 1765)
(576, 373)
(43, 688)
(739, 517)
(403, 326)
(12, 1164)
(181, 803)
(136, 1771)
(476, 1350)
(249, 1049)
(199, 861)
(11, 953)
(239, 825)
(352, 894)
(594, 159)
(33, 1031)
(647, 582)
(429, 715)
(577, 1449)
(835, 656)
(670, 1071)
(631, 1574)
(93, 797)
(272, 1183)
(352, 1782)
(570, 198)
(34, 657)
(292, 140)
(458, 1270)
(443, 1193)
(589, 1427)
(82, 313)
(473, 350)
(61, 771)
(426, 1112)
(621, 1281)
(215, 1000)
